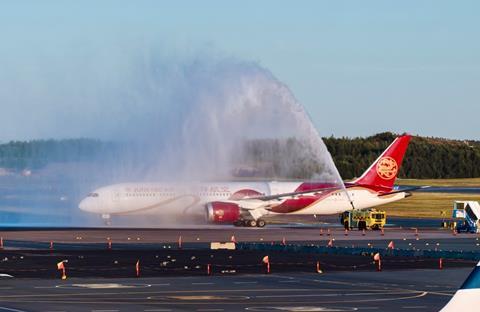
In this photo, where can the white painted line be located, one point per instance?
(202, 283)
(414, 307)
(245, 282)
(166, 284)
(10, 309)
(157, 310)
(104, 310)
(210, 310)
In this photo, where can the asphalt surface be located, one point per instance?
(101, 278)
(405, 238)
(410, 290)
(220, 233)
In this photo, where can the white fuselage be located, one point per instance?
(152, 198)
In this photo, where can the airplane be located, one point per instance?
(247, 203)
(467, 298)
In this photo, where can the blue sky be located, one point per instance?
(359, 67)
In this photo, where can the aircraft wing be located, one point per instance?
(291, 194)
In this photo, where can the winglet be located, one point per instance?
(467, 297)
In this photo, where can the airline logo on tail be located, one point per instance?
(383, 172)
(387, 168)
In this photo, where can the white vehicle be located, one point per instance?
(245, 203)
(467, 298)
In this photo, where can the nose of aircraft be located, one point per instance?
(86, 204)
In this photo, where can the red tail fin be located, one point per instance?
(383, 172)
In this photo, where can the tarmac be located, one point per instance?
(191, 277)
(406, 290)
(405, 238)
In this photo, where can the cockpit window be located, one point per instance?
(93, 195)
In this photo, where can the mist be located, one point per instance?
(173, 118)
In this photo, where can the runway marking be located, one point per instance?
(166, 284)
(289, 281)
(337, 295)
(136, 300)
(223, 303)
(210, 310)
(157, 310)
(245, 282)
(104, 310)
(202, 283)
(10, 309)
(6, 297)
(414, 307)
(442, 293)
(335, 282)
(103, 286)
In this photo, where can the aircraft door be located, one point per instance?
(116, 194)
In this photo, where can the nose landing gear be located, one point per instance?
(106, 219)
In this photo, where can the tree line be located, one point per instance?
(426, 158)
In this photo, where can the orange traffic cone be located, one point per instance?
(61, 266)
(391, 245)
(377, 259)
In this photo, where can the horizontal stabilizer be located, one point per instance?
(405, 190)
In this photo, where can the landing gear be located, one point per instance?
(250, 223)
(261, 223)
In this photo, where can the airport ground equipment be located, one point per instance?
(363, 219)
(467, 216)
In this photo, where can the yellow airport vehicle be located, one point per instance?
(363, 219)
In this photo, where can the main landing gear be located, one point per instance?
(250, 223)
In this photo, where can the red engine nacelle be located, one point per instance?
(220, 212)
